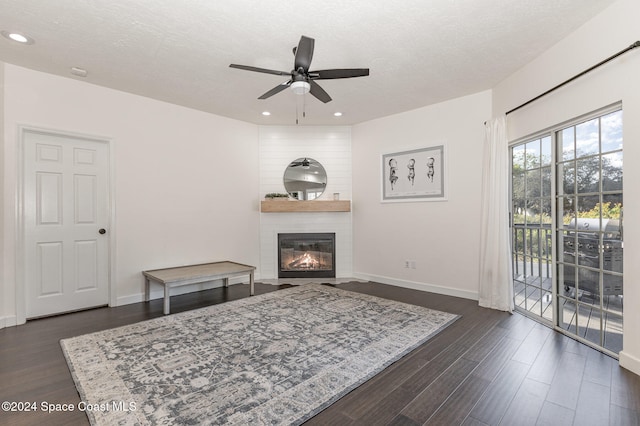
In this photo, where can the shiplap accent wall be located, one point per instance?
(331, 146)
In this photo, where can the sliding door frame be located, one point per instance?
(552, 133)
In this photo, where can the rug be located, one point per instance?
(275, 358)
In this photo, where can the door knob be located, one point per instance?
(102, 231)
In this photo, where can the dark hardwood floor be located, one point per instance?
(487, 368)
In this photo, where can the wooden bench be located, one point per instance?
(192, 274)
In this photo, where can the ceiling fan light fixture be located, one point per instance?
(300, 87)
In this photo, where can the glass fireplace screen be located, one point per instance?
(306, 255)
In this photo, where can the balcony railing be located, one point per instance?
(530, 245)
(584, 311)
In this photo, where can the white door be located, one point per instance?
(66, 213)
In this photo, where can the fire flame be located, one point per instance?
(306, 261)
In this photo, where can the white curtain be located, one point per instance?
(496, 288)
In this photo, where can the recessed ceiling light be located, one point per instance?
(337, 114)
(17, 37)
(266, 113)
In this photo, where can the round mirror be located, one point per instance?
(305, 179)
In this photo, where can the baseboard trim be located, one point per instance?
(629, 362)
(448, 291)
(8, 321)
(158, 293)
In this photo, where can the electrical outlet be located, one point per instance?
(407, 264)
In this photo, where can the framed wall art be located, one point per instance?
(415, 175)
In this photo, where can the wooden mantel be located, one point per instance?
(293, 206)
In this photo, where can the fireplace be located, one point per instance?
(306, 255)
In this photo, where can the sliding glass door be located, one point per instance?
(589, 208)
(567, 229)
(531, 227)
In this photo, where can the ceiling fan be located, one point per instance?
(302, 80)
(303, 163)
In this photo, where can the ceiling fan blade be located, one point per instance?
(256, 69)
(319, 92)
(304, 53)
(339, 73)
(279, 88)
(306, 164)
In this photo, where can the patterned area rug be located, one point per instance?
(276, 358)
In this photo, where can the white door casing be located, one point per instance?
(65, 222)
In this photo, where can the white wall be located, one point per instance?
(186, 182)
(609, 32)
(6, 304)
(331, 146)
(442, 237)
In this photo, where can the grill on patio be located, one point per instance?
(582, 247)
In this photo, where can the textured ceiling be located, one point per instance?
(419, 52)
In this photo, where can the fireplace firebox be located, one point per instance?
(306, 255)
